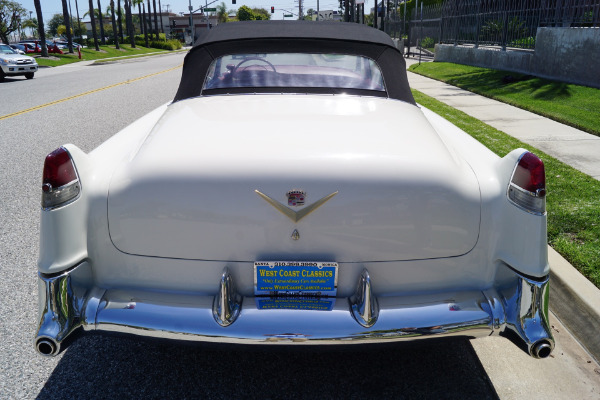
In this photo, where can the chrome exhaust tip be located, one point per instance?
(541, 349)
(47, 347)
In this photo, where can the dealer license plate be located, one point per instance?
(295, 278)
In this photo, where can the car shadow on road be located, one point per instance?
(101, 367)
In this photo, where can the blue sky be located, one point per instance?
(51, 7)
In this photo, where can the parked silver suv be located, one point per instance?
(13, 63)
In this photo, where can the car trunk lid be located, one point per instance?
(211, 182)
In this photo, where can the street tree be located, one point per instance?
(141, 19)
(222, 12)
(93, 22)
(129, 23)
(30, 23)
(145, 29)
(114, 24)
(261, 14)
(244, 13)
(53, 23)
(155, 21)
(101, 19)
(67, 22)
(149, 20)
(10, 18)
(41, 32)
(120, 21)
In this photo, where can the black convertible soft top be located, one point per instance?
(294, 36)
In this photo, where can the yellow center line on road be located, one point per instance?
(84, 94)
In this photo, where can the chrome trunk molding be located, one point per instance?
(69, 301)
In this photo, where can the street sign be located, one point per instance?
(210, 9)
(288, 15)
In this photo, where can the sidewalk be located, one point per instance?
(569, 145)
(574, 299)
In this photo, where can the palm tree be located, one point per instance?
(120, 20)
(31, 24)
(162, 28)
(139, 4)
(41, 31)
(129, 23)
(67, 25)
(78, 20)
(150, 18)
(222, 12)
(93, 21)
(102, 36)
(114, 23)
(145, 26)
(155, 21)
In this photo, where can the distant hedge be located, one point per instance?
(162, 43)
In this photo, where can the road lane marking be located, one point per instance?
(85, 94)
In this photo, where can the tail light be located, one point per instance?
(60, 183)
(527, 187)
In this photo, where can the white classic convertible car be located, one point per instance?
(293, 193)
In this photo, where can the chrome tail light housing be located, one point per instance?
(60, 183)
(527, 188)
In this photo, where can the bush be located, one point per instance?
(427, 43)
(166, 45)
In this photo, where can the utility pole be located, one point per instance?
(191, 21)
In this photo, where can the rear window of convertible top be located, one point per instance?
(294, 70)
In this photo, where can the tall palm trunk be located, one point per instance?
(145, 26)
(139, 4)
(93, 21)
(155, 20)
(78, 19)
(101, 18)
(149, 21)
(67, 25)
(120, 20)
(114, 24)
(162, 28)
(129, 22)
(41, 31)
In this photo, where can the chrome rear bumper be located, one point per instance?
(70, 301)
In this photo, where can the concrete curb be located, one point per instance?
(576, 302)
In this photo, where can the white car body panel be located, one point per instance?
(174, 210)
(217, 216)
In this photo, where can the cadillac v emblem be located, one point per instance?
(296, 198)
(295, 216)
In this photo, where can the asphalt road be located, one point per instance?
(102, 367)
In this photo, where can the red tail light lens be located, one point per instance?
(58, 169)
(528, 184)
(60, 183)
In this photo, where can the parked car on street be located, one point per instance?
(15, 64)
(26, 47)
(20, 49)
(293, 193)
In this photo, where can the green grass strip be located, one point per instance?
(573, 201)
(89, 54)
(574, 105)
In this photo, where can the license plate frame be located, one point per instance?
(295, 278)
